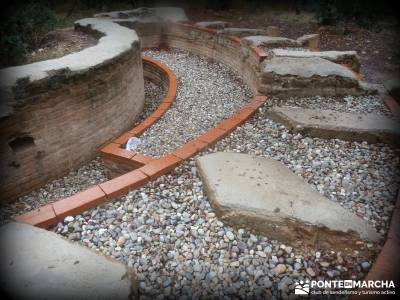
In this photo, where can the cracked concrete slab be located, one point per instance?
(42, 265)
(332, 124)
(263, 195)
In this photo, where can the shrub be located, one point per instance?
(362, 12)
(23, 27)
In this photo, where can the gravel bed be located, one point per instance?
(154, 94)
(355, 104)
(168, 232)
(75, 181)
(207, 93)
(360, 176)
(94, 172)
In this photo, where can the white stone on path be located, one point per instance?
(265, 196)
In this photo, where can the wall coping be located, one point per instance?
(147, 15)
(116, 41)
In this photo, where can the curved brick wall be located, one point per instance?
(228, 50)
(56, 114)
(153, 72)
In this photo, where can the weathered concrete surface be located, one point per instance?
(332, 124)
(309, 40)
(263, 195)
(298, 76)
(212, 24)
(306, 67)
(241, 32)
(147, 15)
(38, 264)
(269, 41)
(350, 58)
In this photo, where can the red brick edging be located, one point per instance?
(115, 150)
(50, 214)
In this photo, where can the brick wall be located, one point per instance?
(116, 167)
(64, 119)
(226, 50)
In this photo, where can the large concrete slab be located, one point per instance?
(349, 58)
(305, 76)
(332, 124)
(38, 264)
(265, 196)
(306, 67)
(270, 41)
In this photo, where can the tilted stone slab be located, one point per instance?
(332, 124)
(270, 41)
(147, 15)
(349, 58)
(241, 32)
(273, 31)
(309, 40)
(265, 196)
(39, 264)
(212, 24)
(298, 76)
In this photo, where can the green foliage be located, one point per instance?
(23, 27)
(362, 12)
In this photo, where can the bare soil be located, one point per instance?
(378, 47)
(61, 42)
